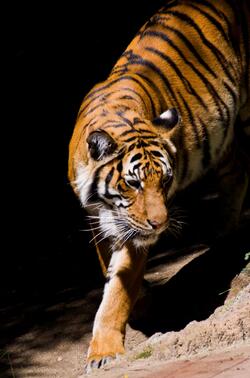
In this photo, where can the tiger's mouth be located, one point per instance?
(122, 230)
(142, 237)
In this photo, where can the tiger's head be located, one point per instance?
(128, 178)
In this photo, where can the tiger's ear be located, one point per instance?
(168, 119)
(101, 144)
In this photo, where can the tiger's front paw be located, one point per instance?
(103, 350)
(97, 362)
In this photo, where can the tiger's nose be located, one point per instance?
(155, 224)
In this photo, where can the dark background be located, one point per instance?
(55, 54)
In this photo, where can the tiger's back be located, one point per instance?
(169, 111)
(191, 55)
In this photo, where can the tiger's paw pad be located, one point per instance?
(99, 362)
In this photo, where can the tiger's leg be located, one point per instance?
(233, 184)
(104, 256)
(124, 278)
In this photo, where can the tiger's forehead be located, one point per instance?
(125, 127)
(145, 163)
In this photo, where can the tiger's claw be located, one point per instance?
(99, 362)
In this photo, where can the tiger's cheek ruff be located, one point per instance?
(83, 183)
(108, 224)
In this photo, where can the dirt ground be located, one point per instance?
(228, 327)
(196, 305)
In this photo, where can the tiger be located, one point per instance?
(168, 112)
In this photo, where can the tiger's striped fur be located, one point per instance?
(167, 113)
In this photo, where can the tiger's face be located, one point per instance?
(133, 195)
(126, 187)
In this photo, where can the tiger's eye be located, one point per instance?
(133, 183)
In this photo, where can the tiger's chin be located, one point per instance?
(142, 241)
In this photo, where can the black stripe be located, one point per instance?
(121, 153)
(124, 206)
(191, 48)
(191, 120)
(131, 139)
(210, 6)
(218, 101)
(148, 95)
(171, 4)
(222, 16)
(158, 164)
(137, 120)
(187, 61)
(127, 97)
(136, 166)
(131, 147)
(216, 52)
(183, 79)
(82, 110)
(148, 137)
(101, 104)
(119, 166)
(109, 176)
(128, 54)
(128, 132)
(136, 93)
(125, 119)
(213, 21)
(142, 143)
(99, 89)
(108, 85)
(113, 125)
(156, 89)
(93, 188)
(208, 85)
(138, 60)
(154, 143)
(157, 153)
(153, 110)
(136, 157)
(107, 195)
(112, 196)
(141, 130)
(120, 109)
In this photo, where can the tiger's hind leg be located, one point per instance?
(233, 184)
